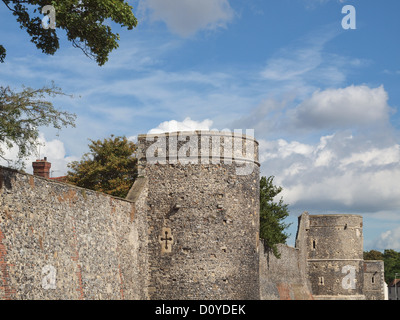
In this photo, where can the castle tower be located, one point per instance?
(203, 214)
(334, 254)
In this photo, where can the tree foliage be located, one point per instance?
(22, 113)
(109, 167)
(85, 22)
(373, 255)
(2, 53)
(391, 259)
(272, 215)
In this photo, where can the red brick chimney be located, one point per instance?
(41, 168)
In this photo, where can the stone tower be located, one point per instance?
(203, 214)
(334, 255)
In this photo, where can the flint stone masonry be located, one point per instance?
(283, 278)
(62, 242)
(334, 246)
(213, 215)
(374, 280)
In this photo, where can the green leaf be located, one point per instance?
(86, 23)
(272, 215)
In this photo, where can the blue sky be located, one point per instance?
(322, 100)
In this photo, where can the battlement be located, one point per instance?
(336, 221)
(198, 147)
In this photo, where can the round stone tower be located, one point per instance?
(203, 214)
(335, 256)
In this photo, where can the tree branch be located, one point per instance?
(6, 3)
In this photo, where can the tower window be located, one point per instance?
(313, 244)
(321, 281)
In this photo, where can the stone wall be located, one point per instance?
(62, 242)
(283, 278)
(185, 231)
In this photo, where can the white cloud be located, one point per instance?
(389, 240)
(293, 64)
(344, 107)
(185, 125)
(323, 156)
(294, 169)
(339, 173)
(282, 149)
(186, 17)
(53, 150)
(374, 157)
